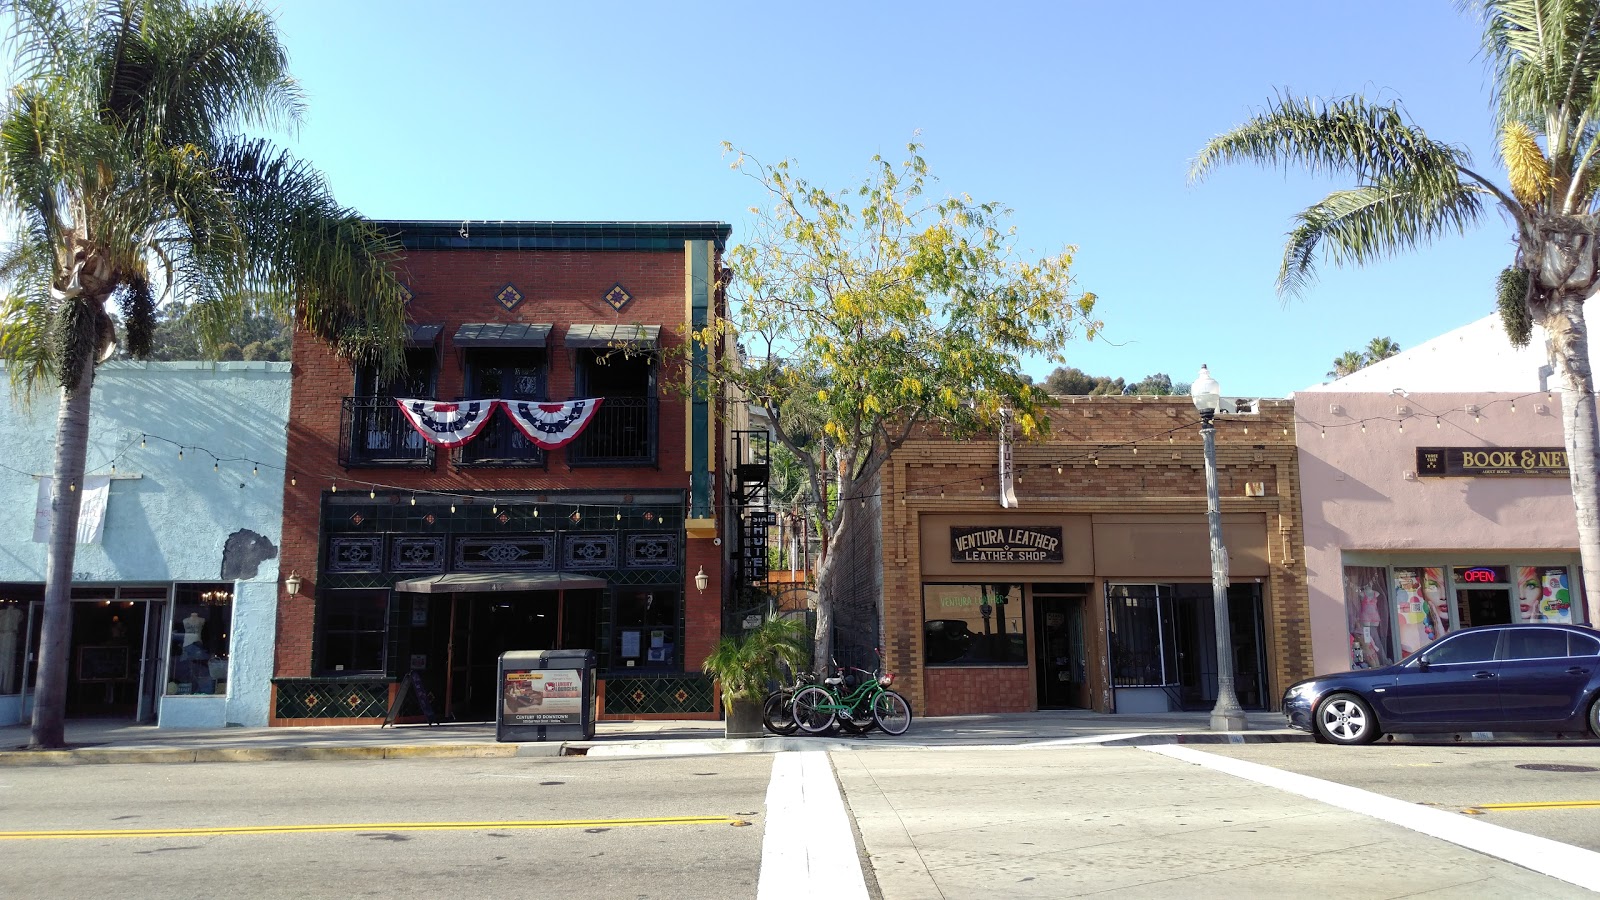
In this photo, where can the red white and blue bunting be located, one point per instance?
(447, 423)
(551, 425)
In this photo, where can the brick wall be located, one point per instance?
(452, 287)
(966, 691)
(1104, 456)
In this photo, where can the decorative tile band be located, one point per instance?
(667, 694)
(304, 698)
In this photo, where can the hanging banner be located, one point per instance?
(551, 425)
(1008, 495)
(91, 510)
(447, 423)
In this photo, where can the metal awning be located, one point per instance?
(607, 336)
(482, 582)
(501, 334)
(423, 335)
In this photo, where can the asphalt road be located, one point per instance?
(1471, 778)
(606, 838)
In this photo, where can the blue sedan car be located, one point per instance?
(1494, 678)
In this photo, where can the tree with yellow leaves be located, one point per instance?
(1410, 189)
(869, 312)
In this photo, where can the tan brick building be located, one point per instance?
(1094, 591)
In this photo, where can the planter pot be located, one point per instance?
(744, 720)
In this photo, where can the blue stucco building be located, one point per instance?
(175, 599)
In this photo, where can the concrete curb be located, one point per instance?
(111, 756)
(599, 749)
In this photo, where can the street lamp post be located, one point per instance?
(1226, 715)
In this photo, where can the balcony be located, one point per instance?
(374, 434)
(499, 445)
(623, 433)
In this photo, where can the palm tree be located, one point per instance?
(1347, 362)
(1380, 348)
(1410, 189)
(124, 163)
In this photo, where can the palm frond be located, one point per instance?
(1347, 135)
(301, 250)
(191, 74)
(1375, 221)
(27, 316)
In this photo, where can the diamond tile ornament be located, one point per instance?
(618, 297)
(638, 696)
(508, 297)
(681, 695)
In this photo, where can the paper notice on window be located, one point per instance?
(630, 643)
(91, 510)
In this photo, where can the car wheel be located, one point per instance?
(1594, 717)
(1346, 719)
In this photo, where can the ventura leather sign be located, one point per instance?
(1491, 461)
(1012, 543)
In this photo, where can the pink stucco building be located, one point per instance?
(1435, 496)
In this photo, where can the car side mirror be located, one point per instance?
(1422, 664)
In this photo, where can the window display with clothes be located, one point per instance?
(202, 617)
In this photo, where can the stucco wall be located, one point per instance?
(1357, 495)
(171, 522)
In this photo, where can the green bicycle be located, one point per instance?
(818, 708)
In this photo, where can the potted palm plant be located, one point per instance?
(746, 664)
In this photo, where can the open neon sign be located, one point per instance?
(1480, 574)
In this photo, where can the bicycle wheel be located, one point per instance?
(777, 713)
(892, 712)
(858, 719)
(813, 710)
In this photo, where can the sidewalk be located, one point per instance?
(1120, 822)
(103, 741)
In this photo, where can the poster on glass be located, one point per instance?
(1369, 626)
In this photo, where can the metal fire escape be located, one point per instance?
(750, 499)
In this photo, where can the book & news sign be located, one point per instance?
(1439, 462)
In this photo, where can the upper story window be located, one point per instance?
(372, 430)
(623, 432)
(503, 374)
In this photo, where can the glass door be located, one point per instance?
(30, 656)
(151, 682)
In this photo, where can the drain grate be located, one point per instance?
(1556, 767)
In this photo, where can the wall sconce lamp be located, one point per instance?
(702, 580)
(292, 584)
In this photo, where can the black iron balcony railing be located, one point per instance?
(623, 433)
(373, 432)
(499, 445)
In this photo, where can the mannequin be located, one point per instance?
(10, 624)
(191, 628)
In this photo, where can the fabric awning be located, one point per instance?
(501, 334)
(423, 335)
(602, 337)
(482, 582)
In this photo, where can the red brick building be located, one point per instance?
(413, 557)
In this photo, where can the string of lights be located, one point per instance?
(186, 450)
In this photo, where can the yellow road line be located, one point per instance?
(374, 826)
(1552, 804)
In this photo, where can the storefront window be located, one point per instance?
(973, 624)
(1543, 595)
(1369, 623)
(353, 626)
(1421, 607)
(13, 619)
(202, 620)
(645, 634)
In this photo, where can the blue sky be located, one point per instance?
(1081, 116)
